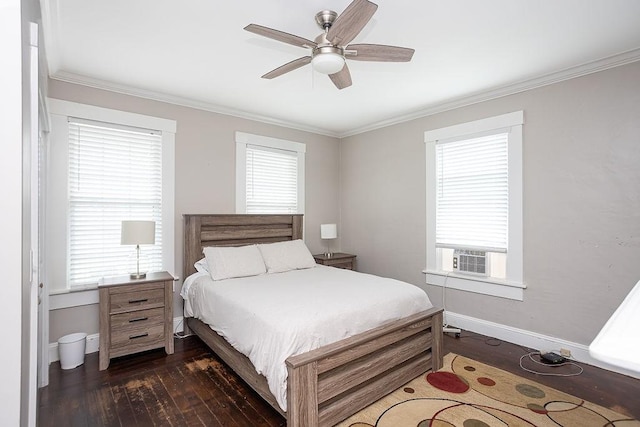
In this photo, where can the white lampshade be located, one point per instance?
(328, 231)
(138, 233)
(328, 63)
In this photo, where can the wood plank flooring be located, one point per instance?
(193, 387)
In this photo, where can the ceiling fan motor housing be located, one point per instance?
(321, 50)
(325, 18)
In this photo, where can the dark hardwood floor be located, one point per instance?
(194, 388)
(191, 387)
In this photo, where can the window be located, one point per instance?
(105, 166)
(269, 175)
(474, 206)
(115, 173)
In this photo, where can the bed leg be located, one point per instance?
(436, 345)
(302, 407)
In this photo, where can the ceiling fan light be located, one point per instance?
(328, 63)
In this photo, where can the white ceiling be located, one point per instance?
(196, 53)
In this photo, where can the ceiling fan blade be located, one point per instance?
(349, 24)
(342, 78)
(289, 66)
(379, 52)
(280, 36)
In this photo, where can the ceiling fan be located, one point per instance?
(330, 49)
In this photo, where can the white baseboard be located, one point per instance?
(579, 352)
(93, 341)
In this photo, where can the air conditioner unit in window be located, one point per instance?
(468, 261)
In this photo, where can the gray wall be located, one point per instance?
(581, 203)
(205, 174)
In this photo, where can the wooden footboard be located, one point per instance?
(329, 384)
(333, 382)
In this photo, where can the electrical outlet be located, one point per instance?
(565, 352)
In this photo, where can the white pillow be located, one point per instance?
(201, 266)
(230, 262)
(285, 256)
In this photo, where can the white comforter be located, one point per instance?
(273, 316)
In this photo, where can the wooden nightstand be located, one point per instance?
(135, 315)
(337, 259)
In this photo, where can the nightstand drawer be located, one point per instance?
(137, 319)
(136, 339)
(139, 300)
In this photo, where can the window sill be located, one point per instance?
(74, 297)
(481, 285)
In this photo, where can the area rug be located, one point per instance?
(466, 393)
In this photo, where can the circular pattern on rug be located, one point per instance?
(434, 423)
(469, 368)
(408, 390)
(587, 416)
(537, 408)
(474, 423)
(486, 381)
(448, 381)
(561, 405)
(530, 391)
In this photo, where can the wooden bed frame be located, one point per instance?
(331, 383)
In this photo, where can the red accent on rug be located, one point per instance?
(447, 381)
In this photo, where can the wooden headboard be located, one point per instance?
(235, 230)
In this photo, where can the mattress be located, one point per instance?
(271, 317)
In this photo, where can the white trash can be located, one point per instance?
(71, 348)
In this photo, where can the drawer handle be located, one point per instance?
(134, 301)
(133, 337)
(138, 319)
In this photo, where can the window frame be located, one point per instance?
(513, 286)
(58, 214)
(244, 139)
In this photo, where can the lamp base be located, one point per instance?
(138, 264)
(328, 254)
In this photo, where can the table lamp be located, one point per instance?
(138, 233)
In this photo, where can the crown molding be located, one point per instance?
(522, 86)
(184, 102)
(498, 92)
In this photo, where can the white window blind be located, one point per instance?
(271, 180)
(115, 173)
(472, 199)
